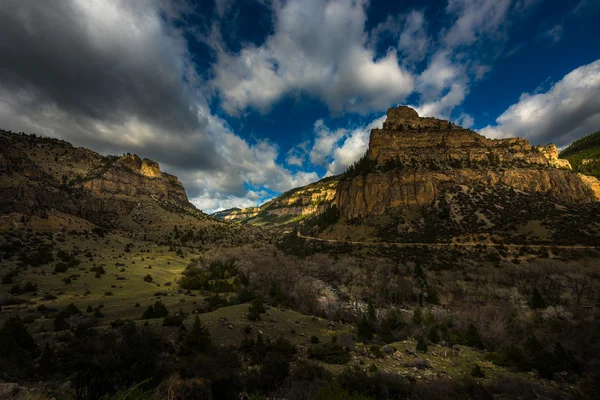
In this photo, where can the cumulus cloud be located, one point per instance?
(476, 19)
(464, 52)
(414, 41)
(569, 110)
(318, 48)
(117, 76)
(337, 149)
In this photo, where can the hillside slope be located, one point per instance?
(292, 206)
(584, 155)
(43, 179)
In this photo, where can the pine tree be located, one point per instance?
(537, 300)
(197, 340)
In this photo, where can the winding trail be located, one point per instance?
(446, 245)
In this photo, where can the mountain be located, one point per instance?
(290, 207)
(584, 155)
(45, 178)
(425, 179)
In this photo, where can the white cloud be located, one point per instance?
(353, 147)
(569, 110)
(336, 150)
(476, 19)
(466, 49)
(414, 41)
(465, 120)
(325, 142)
(136, 91)
(318, 48)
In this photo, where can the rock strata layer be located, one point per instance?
(412, 160)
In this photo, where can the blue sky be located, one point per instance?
(245, 99)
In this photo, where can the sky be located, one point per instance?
(245, 99)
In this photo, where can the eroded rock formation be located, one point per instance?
(42, 174)
(412, 160)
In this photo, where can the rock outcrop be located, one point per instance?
(132, 176)
(39, 175)
(412, 161)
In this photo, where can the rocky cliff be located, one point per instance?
(131, 176)
(427, 180)
(412, 161)
(43, 175)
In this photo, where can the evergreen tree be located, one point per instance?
(537, 300)
(197, 340)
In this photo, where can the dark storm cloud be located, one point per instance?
(107, 63)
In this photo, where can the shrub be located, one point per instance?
(197, 340)
(60, 267)
(365, 329)
(14, 337)
(177, 388)
(148, 278)
(256, 308)
(194, 282)
(310, 371)
(99, 270)
(422, 345)
(473, 337)
(417, 318)
(158, 310)
(330, 353)
(476, 372)
(173, 320)
(335, 392)
(537, 300)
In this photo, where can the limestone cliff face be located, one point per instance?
(411, 139)
(132, 176)
(412, 160)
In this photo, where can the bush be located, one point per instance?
(99, 270)
(173, 320)
(310, 371)
(14, 337)
(335, 392)
(330, 353)
(422, 345)
(148, 278)
(158, 310)
(537, 300)
(197, 340)
(365, 329)
(256, 308)
(60, 267)
(476, 372)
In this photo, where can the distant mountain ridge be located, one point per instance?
(292, 206)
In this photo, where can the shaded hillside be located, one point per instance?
(584, 155)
